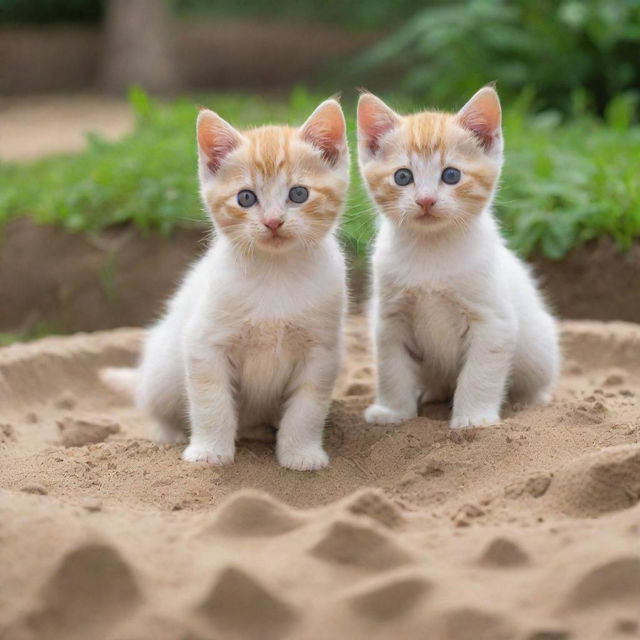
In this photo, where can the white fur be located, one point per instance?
(454, 311)
(252, 338)
(248, 342)
(457, 312)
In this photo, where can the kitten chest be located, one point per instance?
(439, 325)
(264, 357)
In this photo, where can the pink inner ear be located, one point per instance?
(482, 116)
(216, 139)
(375, 119)
(325, 129)
(483, 131)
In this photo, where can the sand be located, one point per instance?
(527, 530)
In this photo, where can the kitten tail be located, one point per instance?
(122, 380)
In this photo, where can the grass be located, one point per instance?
(563, 184)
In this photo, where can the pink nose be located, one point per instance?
(273, 223)
(426, 203)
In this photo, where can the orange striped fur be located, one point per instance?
(426, 143)
(269, 161)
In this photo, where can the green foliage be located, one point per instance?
(373, 14)
(564, 182)
(148, 178)
(556, 47)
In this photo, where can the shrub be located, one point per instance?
(555, 48)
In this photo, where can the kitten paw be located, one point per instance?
(480, 420)
(199, 453)
(379, 414)
(309, 459)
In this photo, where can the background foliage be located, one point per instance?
(563, 183)
(552, 47)
(568, 72)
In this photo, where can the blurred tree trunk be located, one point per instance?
(138, 46)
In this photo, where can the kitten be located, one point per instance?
(252, 338)
(454, 311)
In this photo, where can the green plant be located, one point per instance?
(375, 14)
(447, 51)
(567, 183)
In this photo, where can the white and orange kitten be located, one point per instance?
(252, 338)
(455, 312)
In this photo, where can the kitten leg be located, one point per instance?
(212, 412)
(299, 439)
(398, 373)
(482, 382)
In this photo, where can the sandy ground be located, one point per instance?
(528, 530)
(32, 127)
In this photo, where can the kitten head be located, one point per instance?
(430, 170)
(274, 188)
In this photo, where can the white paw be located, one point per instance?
(479, 420)
(309, 459)
(379, 414)
(208, 455)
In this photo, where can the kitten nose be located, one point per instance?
(273, 223)
(426, 203)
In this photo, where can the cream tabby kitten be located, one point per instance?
(252, 338)
(454, 311)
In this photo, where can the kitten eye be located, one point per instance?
(451, 175)
(299, 194)
(247, 198)
(403, 177)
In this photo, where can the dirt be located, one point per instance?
(55, 281)
(526, 530)
(37, 126)
(598, 280)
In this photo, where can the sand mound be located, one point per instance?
(360, 546)
(502, 552)
(611, 582)
(239, 605)
(373, 504)
(391, 597)
(599, 482)
(251, 513)
(77, 432)
(528, 530)
(91, 590)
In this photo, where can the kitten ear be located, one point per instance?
(375, 119)
(216, 139)
(482, 115)
(326, 129)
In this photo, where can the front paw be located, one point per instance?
(208, 455)
(475, 420)
(379, 414)
(303, 459)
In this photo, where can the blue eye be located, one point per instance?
(403, 177)
(451, 175)
(247, 198)
(299, 194)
